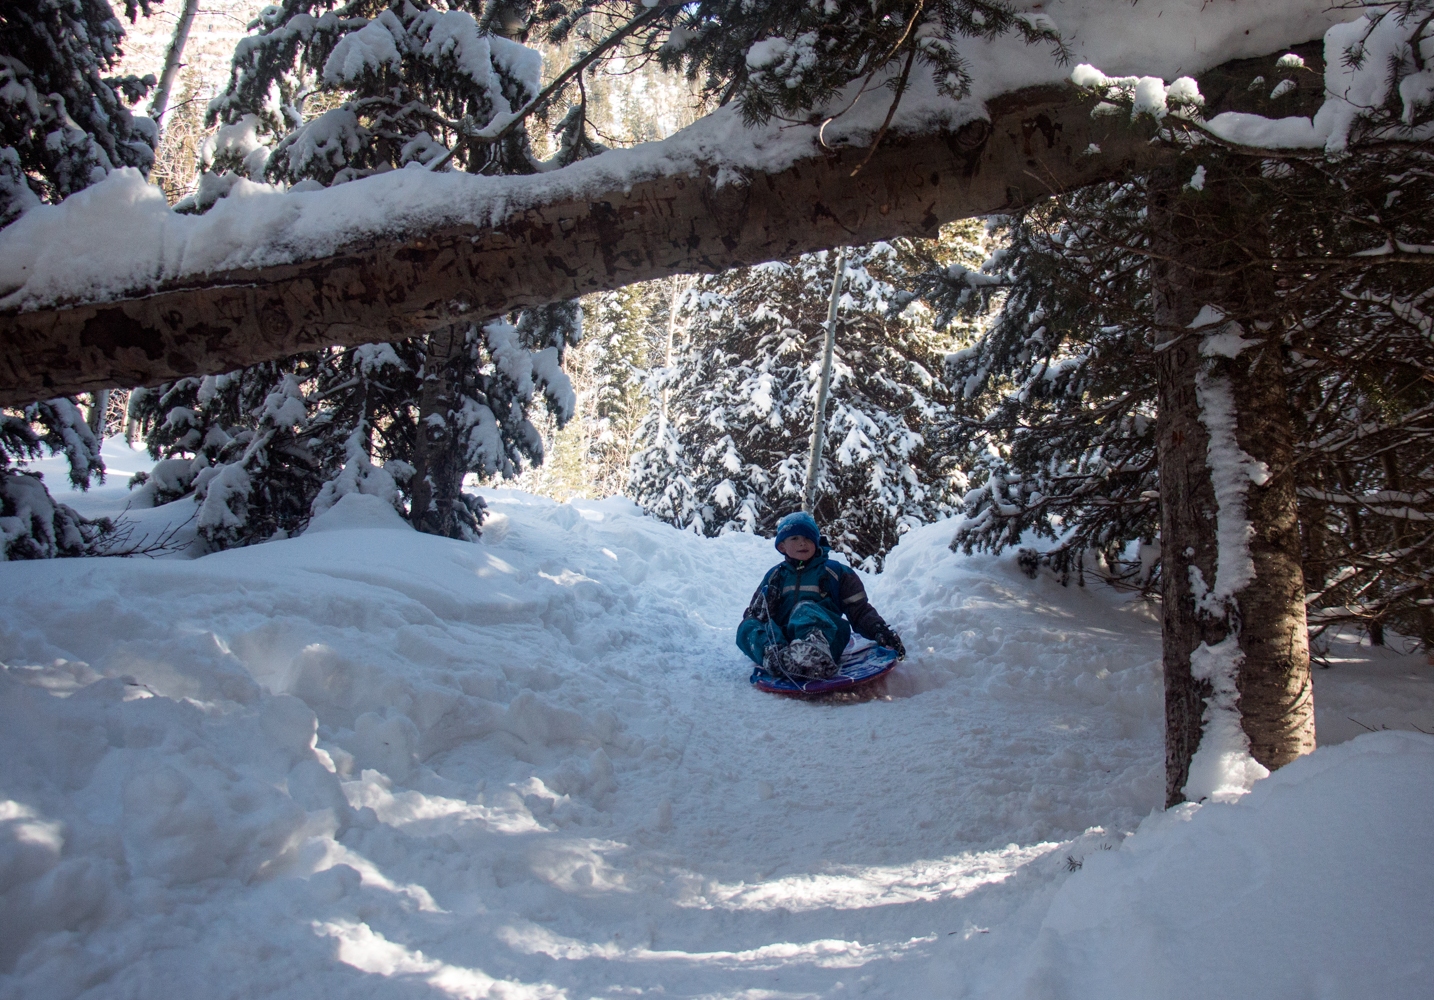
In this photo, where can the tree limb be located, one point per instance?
(1033, 143)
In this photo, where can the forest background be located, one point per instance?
(651, 417)
(1005, 370)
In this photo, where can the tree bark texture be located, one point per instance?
(99, 404)
(1201, 245)
(1035, 142)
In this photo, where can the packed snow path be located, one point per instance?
(552, 777)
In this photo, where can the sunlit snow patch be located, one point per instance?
(360, 946)
(859, 888)
(830, 953)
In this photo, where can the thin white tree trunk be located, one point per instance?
(680, 284)
(172, 57)
(819, 416)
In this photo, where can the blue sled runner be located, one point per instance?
(858, 668)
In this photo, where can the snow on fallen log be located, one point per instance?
(112, 288)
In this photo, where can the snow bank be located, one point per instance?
(1315, 884)
(358, 510)
(119, 237)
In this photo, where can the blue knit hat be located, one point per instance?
(798, 523)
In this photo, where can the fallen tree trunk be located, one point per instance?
(1035, 142)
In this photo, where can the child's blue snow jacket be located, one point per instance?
(831, 584)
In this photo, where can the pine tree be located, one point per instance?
(242, 444)
(394, 86)
(32, 524)
(65, 127)
(731, 454)
(1060, 394)
(1229, 295)
(786, 57)
(66, 124)
(263, 449)
(622, 333)
(1057, 396)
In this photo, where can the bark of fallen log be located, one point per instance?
(1037, 141)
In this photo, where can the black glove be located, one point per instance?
(886, 637)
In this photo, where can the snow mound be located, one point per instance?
(1327, 860)
(358, 511)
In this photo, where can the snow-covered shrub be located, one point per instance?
(32, 524)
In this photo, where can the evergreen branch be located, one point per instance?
(651, 13)
(910, 24)
(1356, 261)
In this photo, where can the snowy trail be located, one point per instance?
(634, 781)
(540, 770)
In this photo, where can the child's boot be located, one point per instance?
(774, 659)
(811, 657)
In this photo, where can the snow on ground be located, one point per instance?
(165, 530)
(369, 762)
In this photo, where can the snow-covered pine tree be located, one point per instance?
(787, 57)
(1060, 394)
(66, 125)
(1259, 295)
(263, 449)
(1351, 236)
(242, 444)
(620, 335)
(1057, 396)
(732, 453)
(32, 524)
(393, 86)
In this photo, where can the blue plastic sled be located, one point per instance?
(858, 668)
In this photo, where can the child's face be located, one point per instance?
(799, 547)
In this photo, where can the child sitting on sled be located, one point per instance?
(794, 626)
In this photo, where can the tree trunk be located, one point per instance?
(677, 287)
(438, 475)
(1235, 644)
(1315, 535)
(99, 404)
(172, 56)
